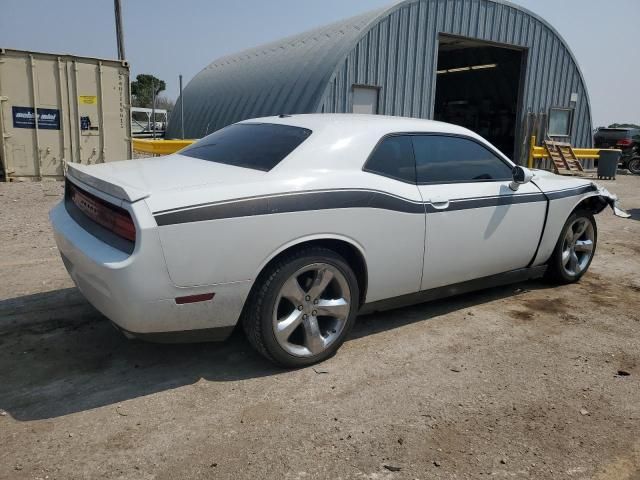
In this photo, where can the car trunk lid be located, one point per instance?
(139, 179)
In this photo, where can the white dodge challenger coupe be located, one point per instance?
(292, 225)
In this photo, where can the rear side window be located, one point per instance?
(260, 146)
(444, 159)
(393, 157)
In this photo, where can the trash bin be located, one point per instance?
(608, 163)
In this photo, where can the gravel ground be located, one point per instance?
(526, 381)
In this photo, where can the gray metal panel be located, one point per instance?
(552, 73)
(395, 49)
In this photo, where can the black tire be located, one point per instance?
(556, 270)
(634, 165)
(257, 320)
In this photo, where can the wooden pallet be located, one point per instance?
(566, 150)
(563, 158)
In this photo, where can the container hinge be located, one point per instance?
(6, 135)
(3, 98)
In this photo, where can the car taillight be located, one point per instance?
(123, 226)
(624, 142)
(113, 218)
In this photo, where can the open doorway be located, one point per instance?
(478, 87)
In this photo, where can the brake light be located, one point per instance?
(624, 142)
(123, 226)
(113, 218)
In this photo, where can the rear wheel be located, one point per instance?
(303, 308)
(634, 165)
(575, 248)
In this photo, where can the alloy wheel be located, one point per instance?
(577, 246)
(311, 309)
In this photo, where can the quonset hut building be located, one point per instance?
(488, 65)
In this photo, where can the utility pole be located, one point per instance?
(181, 109)
(119, 33)
(153, 108)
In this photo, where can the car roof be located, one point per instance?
(618, 129)
(345, 140)
(359, 122)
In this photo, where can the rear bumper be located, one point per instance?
(217, 334)
(134, 290)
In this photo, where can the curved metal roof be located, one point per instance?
(285, 76)
(393, 47)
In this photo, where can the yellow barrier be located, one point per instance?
(536, 153)
(159, 147)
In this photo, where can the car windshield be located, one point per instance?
(260, 146)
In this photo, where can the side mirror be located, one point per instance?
(521, 176)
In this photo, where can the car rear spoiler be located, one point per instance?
(104, 183)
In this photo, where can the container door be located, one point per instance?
(18, 116)
(88, 118)
(50, 131)
(31, 115)
(99, 112)
(116, 113)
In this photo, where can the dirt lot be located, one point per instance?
(526, 381)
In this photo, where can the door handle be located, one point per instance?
(439, 203)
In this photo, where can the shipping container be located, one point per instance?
(56, 109)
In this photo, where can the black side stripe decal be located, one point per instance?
(468, 203)
(571, 192)
(335, 199)
(298, 202)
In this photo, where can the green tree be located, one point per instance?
(142, 89)
(165, 103)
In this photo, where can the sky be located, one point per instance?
(168, 37)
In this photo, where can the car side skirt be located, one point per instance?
(514, 276)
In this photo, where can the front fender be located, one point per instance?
(607, 198)
(592, 197)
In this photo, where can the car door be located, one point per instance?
(395, 251)
(476, 226)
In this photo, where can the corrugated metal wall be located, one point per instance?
(394, 48)
(399, 54)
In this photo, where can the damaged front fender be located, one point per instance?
(610, 199)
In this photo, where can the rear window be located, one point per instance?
(260, 146)
(616, 132)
